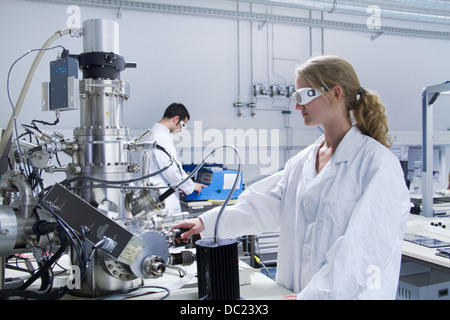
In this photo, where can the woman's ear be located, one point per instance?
(337, 93)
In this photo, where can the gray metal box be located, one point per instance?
(432, 285)
(64, 87)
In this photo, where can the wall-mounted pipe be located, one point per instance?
(325, 6)
(418, 11)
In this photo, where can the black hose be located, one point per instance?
(57, 294)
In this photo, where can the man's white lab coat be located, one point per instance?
(341, 230)
(174, 174)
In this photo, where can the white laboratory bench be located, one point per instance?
(199, 207)
(420, 225)
(254, 284)
(424, 274)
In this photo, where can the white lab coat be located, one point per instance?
(174, 174)
(341, 230)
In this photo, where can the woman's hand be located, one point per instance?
(194, 225)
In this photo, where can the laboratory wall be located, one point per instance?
(211, 65)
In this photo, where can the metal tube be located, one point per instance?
(100, 35)
(420, 11)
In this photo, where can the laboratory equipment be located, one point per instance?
(219, 181)
(105, 214)
(261, 90)
(429, 96)
(95, 213)
(416, 181)
(217, 258)
(431, 285)
(217, 269)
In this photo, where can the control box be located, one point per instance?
(219, 181)
(63, 90)
(124, 246)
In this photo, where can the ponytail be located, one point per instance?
(370, 117)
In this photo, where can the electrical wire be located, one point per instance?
(96, 246)
(128, 290)
(45, 272)
(47, 279)
(146, 293)
(116, 187)
(48, 264)
(261, 263)
(236, 180)
(197, 168)
(6, 136)
(78, 245)
(19, 150)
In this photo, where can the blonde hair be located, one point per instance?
(368, 112)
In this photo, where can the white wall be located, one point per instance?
(193, 60)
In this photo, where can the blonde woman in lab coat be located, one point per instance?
(340, 205)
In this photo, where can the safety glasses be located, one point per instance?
(306, 95)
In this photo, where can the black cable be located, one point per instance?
(127, 290)
(21, 292)
(78, 245)
(46, 278)
(45, 123)
(19, 150)
(41, 228)
(49, 263)
(27, 294)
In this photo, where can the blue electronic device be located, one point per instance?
(64, 87)
(219, 181)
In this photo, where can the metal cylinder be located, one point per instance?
(103, 153)
(8, 230)
(100, 35)
(102, 103)
(143, 202)
(100, 280)
(113, 198)
(103, 141)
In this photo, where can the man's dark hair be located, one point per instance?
(177, 109)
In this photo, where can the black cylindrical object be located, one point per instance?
(217, 269)
(101, 65)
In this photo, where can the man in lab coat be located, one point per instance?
(340, 205)
(175, 117)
